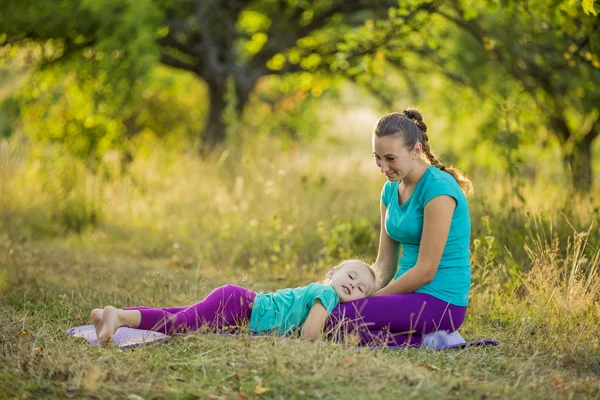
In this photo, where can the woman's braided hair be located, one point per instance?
(410, 127)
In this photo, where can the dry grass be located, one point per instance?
(548, 329)
(170, 228)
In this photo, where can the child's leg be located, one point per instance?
(170, 310)
(113, 319)
(97, 316)
(225, 306)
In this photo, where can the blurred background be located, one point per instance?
(239, 132)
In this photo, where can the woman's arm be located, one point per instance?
(312, 329)
(436, 226)
(387, 257)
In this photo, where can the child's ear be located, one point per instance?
(330, 273)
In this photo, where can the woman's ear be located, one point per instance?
(418, 149)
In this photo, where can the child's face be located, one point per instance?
(351, 281)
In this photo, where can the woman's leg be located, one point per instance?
(406, 316)
(227, 305)
(365, 337)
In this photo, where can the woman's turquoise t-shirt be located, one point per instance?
(286, 310)
(404, 224)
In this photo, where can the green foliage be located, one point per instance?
(128, 35)
(588, 6)
(9, 113)
(116, 43)
(287, 108)
(344, 240)
(52, 193)
(543, 59)
(57, 107)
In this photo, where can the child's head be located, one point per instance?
(352, 280)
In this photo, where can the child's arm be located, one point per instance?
(312, 329)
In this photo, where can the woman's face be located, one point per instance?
(393, 158)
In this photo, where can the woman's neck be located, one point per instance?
(415, 174)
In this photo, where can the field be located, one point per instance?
(163, 236)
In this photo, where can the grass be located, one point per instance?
(545, 353)
(169, 228)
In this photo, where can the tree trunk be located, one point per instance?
(215, 130)
(215, 127)
(579, 162)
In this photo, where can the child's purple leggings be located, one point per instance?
(399, 319)
(226, 306)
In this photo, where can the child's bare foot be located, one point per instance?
(96, 316)
(110, 322)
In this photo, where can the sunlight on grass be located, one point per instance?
(166, 228)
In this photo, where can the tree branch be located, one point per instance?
(284, 42)
(175, 63)
(170, 41)
(594, 130)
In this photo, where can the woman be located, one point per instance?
(423, 208)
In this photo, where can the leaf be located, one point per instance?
(588, 7)
(260, 390)
(21, 334)
(233, 376)
(429, 367)
(349, 361)
(243, 396)
(559, 383)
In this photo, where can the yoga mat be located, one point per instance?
(441, 340)
(124, 337)
(127, 337)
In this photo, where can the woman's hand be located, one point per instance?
(437, 217)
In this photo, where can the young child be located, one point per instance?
(282, 312)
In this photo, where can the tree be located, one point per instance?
(550, 52)
(216, 40)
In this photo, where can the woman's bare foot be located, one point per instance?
(96, 316)
(110, 324)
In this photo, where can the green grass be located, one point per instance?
(168, 228)
(549, 349)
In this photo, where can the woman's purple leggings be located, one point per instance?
(226, 306)
(394, 320)
(399, 319)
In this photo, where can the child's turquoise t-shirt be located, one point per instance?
(285, 311)
(404, 224)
